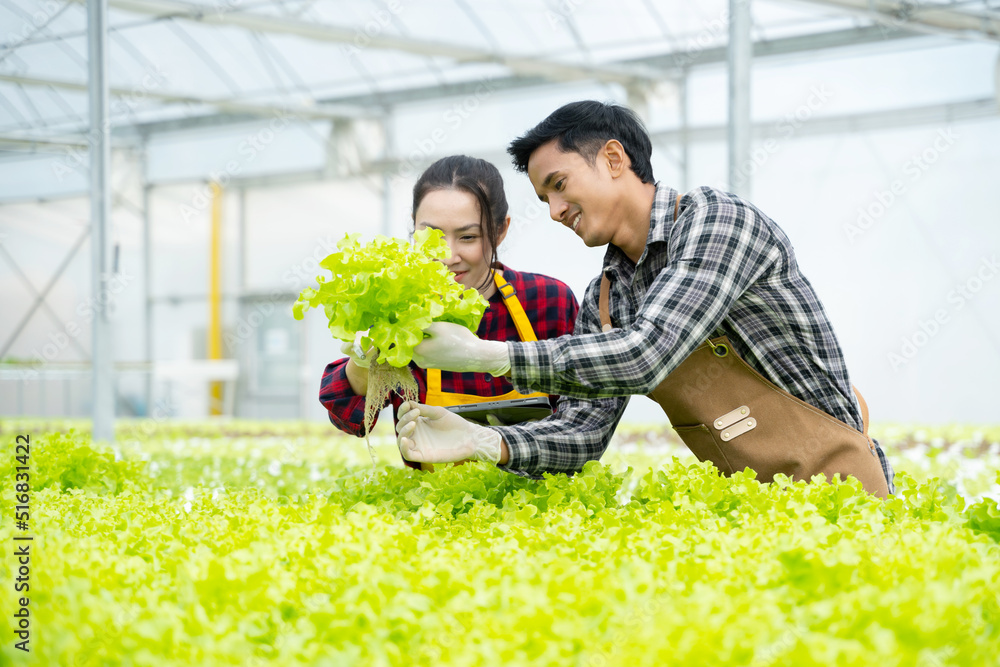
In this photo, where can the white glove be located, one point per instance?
(452, 347)
(359, 356)
(432, 434)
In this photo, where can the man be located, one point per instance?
(700, 305)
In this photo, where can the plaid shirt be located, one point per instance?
(550, 306)
(723, 268)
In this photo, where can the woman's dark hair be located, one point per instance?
(481, 180)
(584, 128)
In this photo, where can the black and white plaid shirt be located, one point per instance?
(722, 268)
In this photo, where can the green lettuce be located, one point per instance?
(392, 289)
(270, 543)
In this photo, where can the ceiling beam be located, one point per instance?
(933, 18)
(271, 24)
(864, 36)
(933, 114)
(40, 145)
(325, 112)
(672, 64)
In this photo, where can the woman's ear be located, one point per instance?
(503, 232)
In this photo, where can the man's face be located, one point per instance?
(581, 196)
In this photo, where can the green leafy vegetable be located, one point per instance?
(392, 289)
(265, 543)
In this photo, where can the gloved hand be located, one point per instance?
(357, 367)
(360, 357)
(452, 347)
(358, 354)
(432, 434)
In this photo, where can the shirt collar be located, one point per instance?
(661, 221)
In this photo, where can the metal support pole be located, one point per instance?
(387, 154)
(147, 278)
(214, 298)
(740, 56)
(243, 356)
(638, 100)
(996, 74)
(682, 101)
(102, 367)
(241, 262)
(386, 203)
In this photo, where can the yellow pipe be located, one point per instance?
(214, 298)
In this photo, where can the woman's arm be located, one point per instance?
(344, 406)
(357, 377)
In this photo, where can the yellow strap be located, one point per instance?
(514, 307)
(524, 329)
(433, 385)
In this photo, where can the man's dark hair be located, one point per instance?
(584, 128)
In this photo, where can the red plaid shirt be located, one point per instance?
(550, 306)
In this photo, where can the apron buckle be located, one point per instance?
(739, 428)
(732, 417)
(719, 349)
(735, 423)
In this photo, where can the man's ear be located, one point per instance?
(613, 154)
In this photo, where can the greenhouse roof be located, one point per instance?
(183, 64)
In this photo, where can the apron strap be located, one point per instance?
(602, 304)
(521, 322)
(864, 409)
(602, 300)
(514, 307)
(864, 417)
(433, 383)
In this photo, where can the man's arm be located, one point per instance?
(578, 432)
(563, 442)
(717, 250)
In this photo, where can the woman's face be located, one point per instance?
(456, 214)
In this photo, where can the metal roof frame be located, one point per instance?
(895, 22)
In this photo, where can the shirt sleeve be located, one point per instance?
(579, 431)
(345, 408)
(561, 313)
(717, 250)
(565, 316)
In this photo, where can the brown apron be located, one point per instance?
(728, 413)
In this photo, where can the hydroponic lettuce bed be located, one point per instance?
(241, 543)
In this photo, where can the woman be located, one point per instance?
(464, 198)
